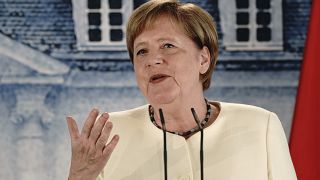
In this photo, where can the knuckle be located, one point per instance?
(95, 133)
(102, 140)
(85, 129)
(92, 136)
(109, 125)
(108, 150)
(86, 126)
(99, 144)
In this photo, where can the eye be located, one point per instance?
(141, 52)
(168, 45)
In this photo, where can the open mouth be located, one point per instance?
(158, 78)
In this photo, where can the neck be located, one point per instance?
(178, 116)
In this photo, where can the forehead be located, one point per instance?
(163, 25)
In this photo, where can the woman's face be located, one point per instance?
(167, 63)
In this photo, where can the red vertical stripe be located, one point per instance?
(305, 132)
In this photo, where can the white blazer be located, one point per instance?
(243, 143)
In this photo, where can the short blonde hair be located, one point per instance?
(196, 22)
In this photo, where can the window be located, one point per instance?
(100, 24)
(251, 24)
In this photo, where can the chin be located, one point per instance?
(163, 98)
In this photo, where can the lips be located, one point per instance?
(158, 78)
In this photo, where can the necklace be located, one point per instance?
(186, 133)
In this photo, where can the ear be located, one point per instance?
(204, 60)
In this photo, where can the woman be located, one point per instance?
(174, 49)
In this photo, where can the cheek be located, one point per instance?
(140, 78)
(138, 71)
(188, 73)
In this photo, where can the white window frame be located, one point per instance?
(81, 22)
(229, 25)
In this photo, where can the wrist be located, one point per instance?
(79, 177)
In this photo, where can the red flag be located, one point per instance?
(305, 132)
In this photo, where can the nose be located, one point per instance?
(155, 59)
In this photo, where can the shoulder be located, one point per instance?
(131, 114)
(128, 122)
(246, 114)
(244, 109)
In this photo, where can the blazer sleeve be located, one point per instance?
(280, 166)
(100, 177)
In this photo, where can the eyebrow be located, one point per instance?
(159, 40)
(139, 44)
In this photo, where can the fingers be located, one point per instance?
(108, 149)
(95, 133)
(73, 128)
(97, 128)
(89, 122)
(103, 139)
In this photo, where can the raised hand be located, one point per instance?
(90, 151)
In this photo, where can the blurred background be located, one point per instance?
(63, 57)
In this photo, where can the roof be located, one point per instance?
(20, 63)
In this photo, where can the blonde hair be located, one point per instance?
(196, 22)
